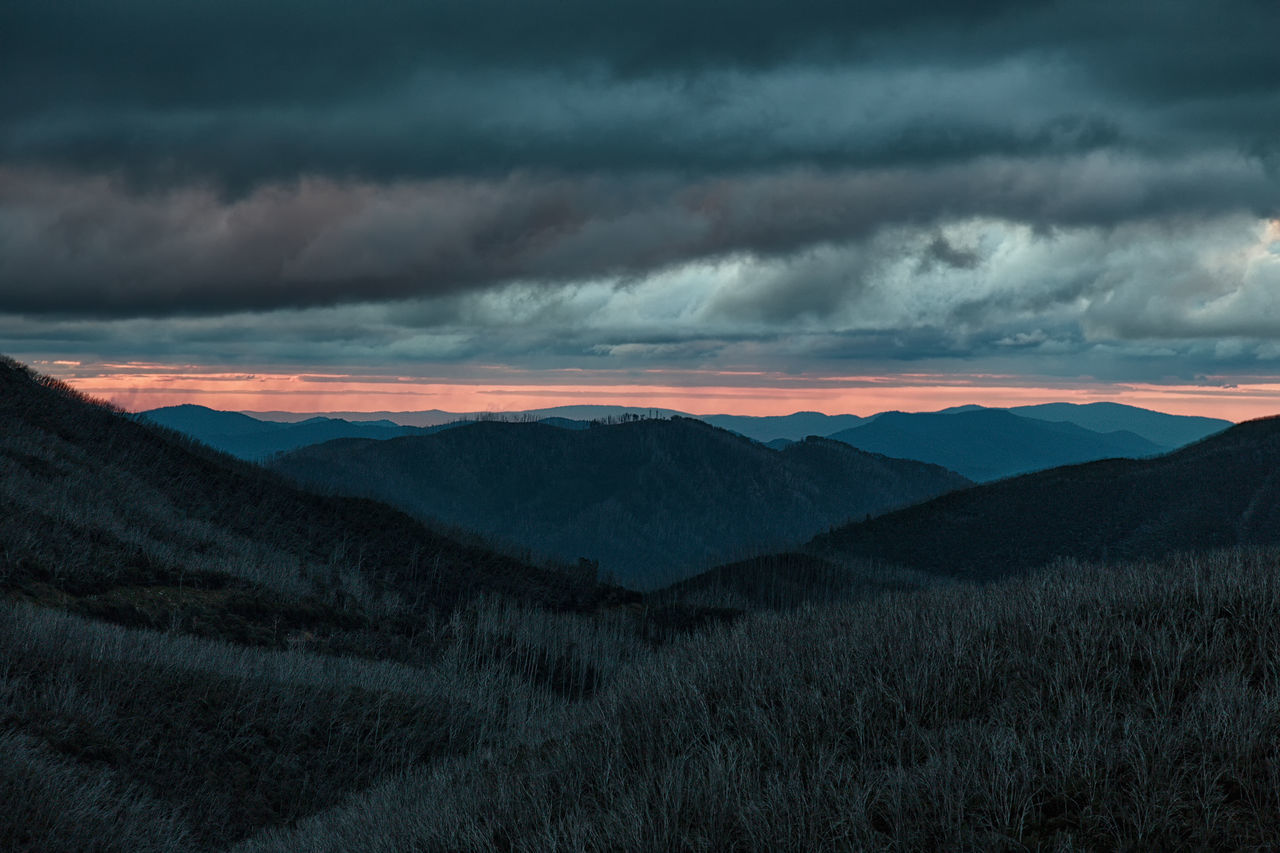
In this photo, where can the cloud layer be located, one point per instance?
(1042, 187)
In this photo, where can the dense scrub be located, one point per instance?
(121, 739)
(1084, 708)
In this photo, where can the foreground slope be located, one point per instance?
(647, 498)
(987, 444)
(1220, 492)
(1083, 709)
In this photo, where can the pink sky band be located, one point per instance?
(138, 386)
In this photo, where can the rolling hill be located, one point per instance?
(1220, 492)
(987, 444)
(194, 649)
(649, 499)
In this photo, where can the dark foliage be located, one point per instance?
(230, 755)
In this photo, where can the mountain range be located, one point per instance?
(987, 444)
(980, 446)
(652, 500)
(252, 438)
(1157, 427)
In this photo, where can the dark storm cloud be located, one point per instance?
(243, 92)
(92, 246)
(648, 182)
(941, 251)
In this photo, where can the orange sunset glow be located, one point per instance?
(138, 387)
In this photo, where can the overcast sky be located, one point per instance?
(752, 206)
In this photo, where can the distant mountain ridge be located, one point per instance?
(437, 417)
(987, 444)
(650, 499)
(793, 427)
(1157, 427)
(250, 438)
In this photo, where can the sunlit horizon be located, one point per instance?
(138, 387)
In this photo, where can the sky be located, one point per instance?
(753, 207)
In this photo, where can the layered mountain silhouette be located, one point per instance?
(437, 417)
(792, 427)
(259, 435)
(652, 500)
(251, 438)
(94, 503)
(255, 439)
(1157, 427)
(1222, 491)
(987, 444)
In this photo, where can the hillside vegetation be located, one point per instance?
(1220, 492)
(1083, 708)
(651, 500)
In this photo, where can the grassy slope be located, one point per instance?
(1079, 709)
(123, 739)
